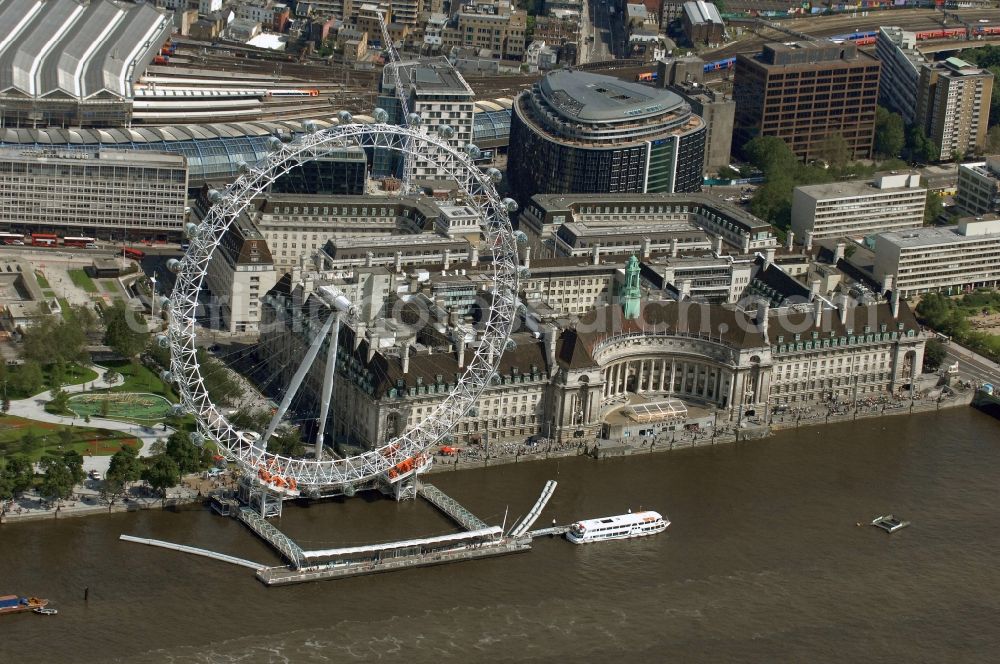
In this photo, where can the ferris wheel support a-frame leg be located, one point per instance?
(300, 374)
(328, 384)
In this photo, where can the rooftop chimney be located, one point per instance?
(887, 283)
(844, 299)
(717, 245)
(460, 349)
(814, 289)
(895, 305)
(818, 312)
(838, 253)
(527, 257)
(596, 255)
(647, 246)
(769, 253)
(369, 259)
(551, 336)
(399, 261)
(763, 310)
(791, 240)
(473, 256)
(809, 241)
(447, 258)
(673, 247)
(406, 358)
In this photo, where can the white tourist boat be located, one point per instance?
(623, 526)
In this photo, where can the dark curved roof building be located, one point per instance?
(577, 132)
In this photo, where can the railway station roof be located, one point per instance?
(70, 50)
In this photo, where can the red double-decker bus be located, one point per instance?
(44, 240)
(134, 254)
(81, 242)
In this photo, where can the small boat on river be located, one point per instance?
(889, 523)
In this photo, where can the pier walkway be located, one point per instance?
(542, 532)
(536, 510)
(194, 550)
(450, 507)
(279, 540)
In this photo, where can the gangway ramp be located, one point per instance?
(450, 507)
(536, 511)
(194, 550)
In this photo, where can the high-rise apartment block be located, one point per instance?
(953, 105)
(806, 93)
(949, 100)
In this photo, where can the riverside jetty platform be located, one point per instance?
(476, 540)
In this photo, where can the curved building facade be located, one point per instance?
(577, 132)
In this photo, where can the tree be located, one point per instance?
(16, 476)
(162, 473)
(728, 173)
(29, 442)
(125, 465)
(934, 355)
(185, 454)
(773, 200)
(122, 332)
(993, 138)
(54, 340)
(57, 480)
(890, 133)
(287, 441)
(60, 401)
(771, 155)
(222, 389)
(73, 461)
(66, 437)
(110, 376)
(933, 208)
(835, 151)
(27, 379)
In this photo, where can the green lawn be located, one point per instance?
(127, 406)
(86, 440)
(67, 311)
(73, 374)
(42, 281)
(138, 378)
(82, 280)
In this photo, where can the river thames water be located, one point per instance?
(764, 562)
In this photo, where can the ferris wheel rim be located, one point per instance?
(418, 438)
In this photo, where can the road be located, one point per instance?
(608, 32)
(971, 365)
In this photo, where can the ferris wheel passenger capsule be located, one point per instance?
(164, 303)
(196, 439)
(162, 341)
(273, 143)
(191, 230)
(345, 117)
(510, 204)
(521, 237)
(310, 126)
(414, 119)
(174, 265)
(380, 115)
(214, 195)
(473, 151)
(446, 131)
(243, 168)
(166, 377)
(494, 175)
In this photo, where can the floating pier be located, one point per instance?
(194, 550)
